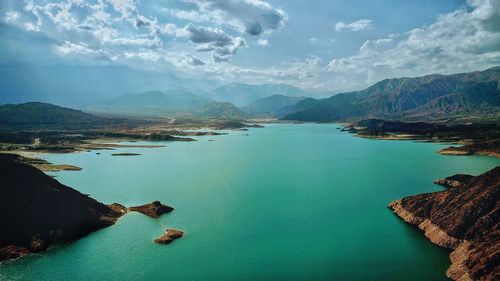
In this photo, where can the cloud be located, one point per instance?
(212, 32)
(200, 35)
(213, 40)
(181, 60)
(253, 17)
(11, 16)
(358, 25)
(459, 41)
(262, 42)
(81, 49)
(463, 40)
(192, 60)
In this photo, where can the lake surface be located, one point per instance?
(287, 202)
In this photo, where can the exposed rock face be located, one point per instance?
(454, 181)
(154, 209)
(36, 210)
(466, 219)
(169, 236)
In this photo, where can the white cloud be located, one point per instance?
(358, 25)
(262, 42)
(107, 30)
(11, 16)
(81, 49)
(462, 40)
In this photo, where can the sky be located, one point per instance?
(334, 45)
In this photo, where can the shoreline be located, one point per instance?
(471, 139)
(459, 248)
(462, 218)
(62, 142)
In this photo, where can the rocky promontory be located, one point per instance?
(36, 211)
(465, 219)
(154, 209)
(454, 181)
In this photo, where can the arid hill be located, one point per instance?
(466, 219)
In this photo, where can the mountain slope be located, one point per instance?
(428, 96)
(37, 211)
(37, 115)
(152, 103)
(465, 218)
(220, 110)
(243, 94)
(275, 105)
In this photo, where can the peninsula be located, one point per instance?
(37, 211)
(465, 219)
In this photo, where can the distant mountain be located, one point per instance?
(431, 96)
(303, 105)
(244, 94)
(275, 105)
(37, 115)
(152, 103)
(220, 110)
(172, 103)
(81, 85)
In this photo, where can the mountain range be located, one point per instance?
(273, 106)
(243, 94)
(426, 97)
(186, 104)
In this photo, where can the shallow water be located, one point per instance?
(287, 202)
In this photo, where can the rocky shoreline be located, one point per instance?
(464, 219)
(473, 139)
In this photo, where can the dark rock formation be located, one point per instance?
(169, 236)
(454, 181)
(37, 211)
(466, 219)
(486, 148)
(154, 209)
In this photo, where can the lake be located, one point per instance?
(286, 202)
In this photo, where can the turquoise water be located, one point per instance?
(287, 202)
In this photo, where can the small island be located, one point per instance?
(169, 236)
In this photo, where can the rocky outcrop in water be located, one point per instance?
(465, 219)
(154, 209)
(169, 236)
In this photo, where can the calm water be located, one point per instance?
(288, 202)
